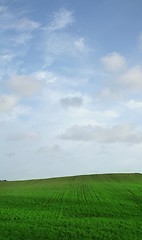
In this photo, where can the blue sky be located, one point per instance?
(70, 87)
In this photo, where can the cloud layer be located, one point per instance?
(70, 95)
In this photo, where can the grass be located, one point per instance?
(107, 206)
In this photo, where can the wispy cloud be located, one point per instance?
(16, 28)
(80, 44)
(61, 19)
(24, 24)
(23, 38)
(10, 21)
(6, 57)
(59, 43)
(47, 76)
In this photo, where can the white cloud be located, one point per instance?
(108, 114)
(117, 133)
(74, 102)
(80, 44)
(61, 19)
(133, 104)
(48, 60)
(48, 77)
(132, 78)
(113, 62)
(7, 102)
(22, 136)
(24, 85)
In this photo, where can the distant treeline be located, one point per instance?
(3, 180)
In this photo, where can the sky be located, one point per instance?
(70, 87)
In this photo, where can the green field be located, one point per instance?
(107, 206)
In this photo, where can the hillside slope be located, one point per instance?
(107, 206)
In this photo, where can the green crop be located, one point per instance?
(107, 206)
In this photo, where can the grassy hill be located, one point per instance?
(107, 206)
